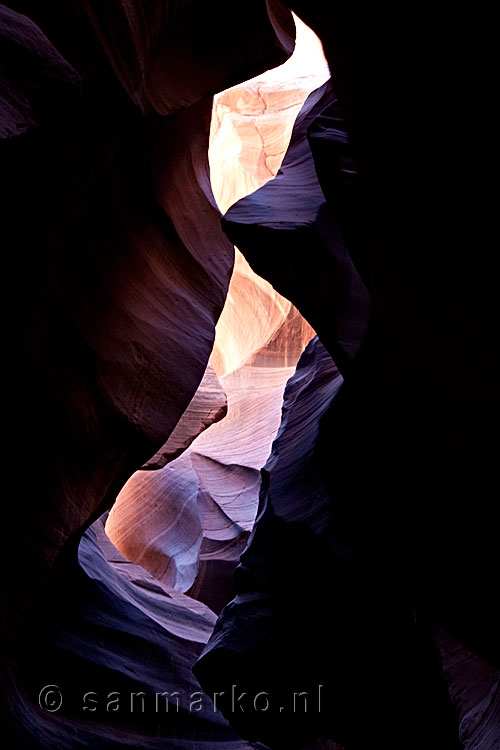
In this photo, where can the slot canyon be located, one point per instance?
(251, 298)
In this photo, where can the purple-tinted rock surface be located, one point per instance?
(372, 567)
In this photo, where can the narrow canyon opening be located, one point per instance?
(313, 504)
(186, 516)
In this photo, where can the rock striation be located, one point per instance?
(361, 495)
(198, 511)
(110, 221)
(201, 506)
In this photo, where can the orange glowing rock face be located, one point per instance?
(257, 325)
(251, 128)
(200, 505)
(252, 122)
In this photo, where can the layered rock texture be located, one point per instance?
(202, 505)
(252, 123)
(200, 508)
(216, 498)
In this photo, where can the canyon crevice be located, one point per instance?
(271, 467)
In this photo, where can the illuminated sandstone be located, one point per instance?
(210, 493)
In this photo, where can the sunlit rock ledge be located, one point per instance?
(252, 123)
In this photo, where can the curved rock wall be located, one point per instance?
(372, 564)
(406, 446)
(111, 224)
(202, 505)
